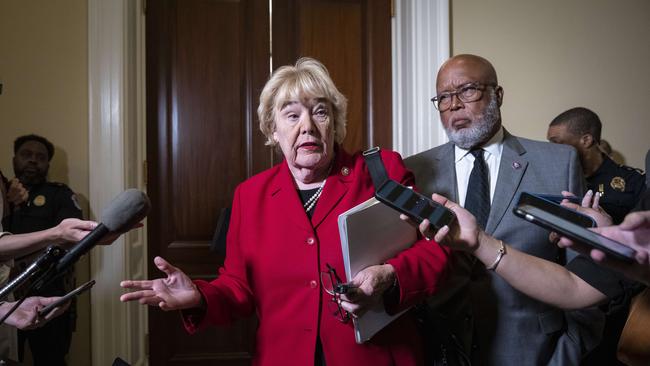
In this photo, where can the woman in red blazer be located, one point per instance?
(284, 232)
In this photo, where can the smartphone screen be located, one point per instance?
(413, 204)
(556, 209)
(558, 198)
(574, 232)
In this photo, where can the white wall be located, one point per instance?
(552, 55)
(43, 66)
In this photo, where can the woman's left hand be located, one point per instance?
(367, 288)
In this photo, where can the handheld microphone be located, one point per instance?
(124, 211)
(41, 265)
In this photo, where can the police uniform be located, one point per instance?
(620, 186)
(48, 204)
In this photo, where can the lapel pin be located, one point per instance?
(345, 171)
(516, 165)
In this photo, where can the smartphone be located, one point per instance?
(65, 298)
(556, 209)
(574, 231)
(413, 204)
(558, 198)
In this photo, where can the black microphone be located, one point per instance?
(124, 211)
(41, 265)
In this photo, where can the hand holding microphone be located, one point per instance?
(121, 214)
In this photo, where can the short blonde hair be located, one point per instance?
(308, 79)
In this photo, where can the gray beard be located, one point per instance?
(480, 131)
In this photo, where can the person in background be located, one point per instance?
(283, 244)
(26, 315)
(619, 186)
(45, 205)
(484, 168)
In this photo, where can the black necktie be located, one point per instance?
(477, 199)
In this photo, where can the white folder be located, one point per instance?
(371, 233)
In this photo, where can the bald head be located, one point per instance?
(472, 97)
(481, 69)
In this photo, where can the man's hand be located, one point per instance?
(367, 288)
(176, 292)
(16, 192)
(26, 315)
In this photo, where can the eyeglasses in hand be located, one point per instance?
(333, 285)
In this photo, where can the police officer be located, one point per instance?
(47, 204)
(620, 188)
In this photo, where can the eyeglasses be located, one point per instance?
(467, 93)
(333, 285)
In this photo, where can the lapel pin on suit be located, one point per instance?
(516, 165)
(345, 171)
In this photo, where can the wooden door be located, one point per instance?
(207, 61)
(353, 39)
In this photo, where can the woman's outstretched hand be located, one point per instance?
(176, 292)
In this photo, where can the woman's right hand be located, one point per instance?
(176, 292)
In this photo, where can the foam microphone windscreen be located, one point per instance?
(125, 210)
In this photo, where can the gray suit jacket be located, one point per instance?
(500, 325)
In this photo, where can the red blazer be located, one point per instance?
(274, 258)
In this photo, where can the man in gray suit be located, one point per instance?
(495, 323)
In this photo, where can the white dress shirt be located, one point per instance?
(465, 163)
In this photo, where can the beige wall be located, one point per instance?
(43, 66)
(555, 54)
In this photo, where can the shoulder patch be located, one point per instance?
(618, 184)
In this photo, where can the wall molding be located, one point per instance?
(421, 43)
(116, 152)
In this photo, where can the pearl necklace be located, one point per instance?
(311, 202)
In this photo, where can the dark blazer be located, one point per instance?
(275, 254)
(500, 325)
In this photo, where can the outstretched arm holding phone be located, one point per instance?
(27, 315)
(634, 232)
(538, 278)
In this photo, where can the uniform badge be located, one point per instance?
(618, 184)
(75, 201)
(39, 200)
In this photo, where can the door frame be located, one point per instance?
(117, 144)
(116, 161)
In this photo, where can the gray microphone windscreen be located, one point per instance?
(125, 210)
